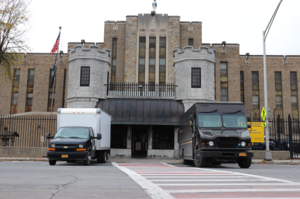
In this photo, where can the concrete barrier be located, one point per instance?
(276, 155)
(8, 151)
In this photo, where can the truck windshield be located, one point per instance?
(209, 119)
(234, 120)
(72, 133)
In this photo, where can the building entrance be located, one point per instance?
(139, 144)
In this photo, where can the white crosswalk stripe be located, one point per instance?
(190, 182)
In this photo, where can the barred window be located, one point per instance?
(85, 76)
(163, 137)
(224, 81)
(196, 77)
(242, 85)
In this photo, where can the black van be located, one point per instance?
(211, 133)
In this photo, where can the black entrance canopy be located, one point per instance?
(143, 111)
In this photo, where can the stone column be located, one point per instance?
(150, 137)
(129, 136)
(176, 144)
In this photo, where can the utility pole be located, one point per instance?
(268, 154)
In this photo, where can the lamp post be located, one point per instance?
(268, 154)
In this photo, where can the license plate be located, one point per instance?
(242, 154)
(64, 156)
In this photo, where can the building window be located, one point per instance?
(191, 41)
(196, 77)
(163, 137)
(242, 86)
(15, 91)
(114, 61)
(224, 81)
(142, 53)
(255, 96)
(29, 95)
(85, 76)
(51, 94)
(152, 60)
(294, 95)
(278, 92)
(162, 61)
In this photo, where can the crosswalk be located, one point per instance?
(167, 181)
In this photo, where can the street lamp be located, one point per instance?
(268, 154)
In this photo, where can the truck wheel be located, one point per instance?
(52, 162)
(245, 162)
(101, 157)
(199, 161)
(88, 159)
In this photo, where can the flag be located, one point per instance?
(55, 47)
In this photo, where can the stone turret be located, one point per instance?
(203, 60)
(98, 61)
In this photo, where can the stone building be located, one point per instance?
(147, 72)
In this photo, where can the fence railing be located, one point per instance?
(29, 128)
(140, 90)
(286, 135)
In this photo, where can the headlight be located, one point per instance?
(80, 146)
(243, 143)
(211, 143)
(52, 145)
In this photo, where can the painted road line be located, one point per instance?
(250, 175)
(153, 190)
(185, 174)
(239, 195)
(230, 184)
(214, 180)
(231, 190)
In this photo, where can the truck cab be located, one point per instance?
(72, 143)
(212, 133)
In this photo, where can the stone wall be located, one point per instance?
(116, 29)
(190, 30)
(174, 43)
(274, 64)
(42, 63)
(130, 49)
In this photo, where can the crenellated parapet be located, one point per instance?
(189, 53)
(93, 66)
(92, 52)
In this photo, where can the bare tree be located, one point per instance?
(14, 16)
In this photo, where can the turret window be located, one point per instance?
(196, 77)
(85, 76)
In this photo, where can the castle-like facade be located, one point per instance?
(147, 72)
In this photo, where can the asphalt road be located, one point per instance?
(38, 180)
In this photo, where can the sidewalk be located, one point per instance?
(169, 161)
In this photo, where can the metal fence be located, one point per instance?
(286, 135)
(29, 128)
(145, 90)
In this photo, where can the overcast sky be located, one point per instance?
(233, 21)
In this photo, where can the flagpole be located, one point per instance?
(54, 74)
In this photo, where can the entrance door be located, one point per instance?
(139, 143)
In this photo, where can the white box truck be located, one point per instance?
(82, 134)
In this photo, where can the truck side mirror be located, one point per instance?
(48, 135)
(248, 126)
(191, 127)
(99, 136)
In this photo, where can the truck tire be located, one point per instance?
(52, 162)
(199, 161)
(88, 159)
(245, 162)
(101, 157)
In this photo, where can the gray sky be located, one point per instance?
(233, 21)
